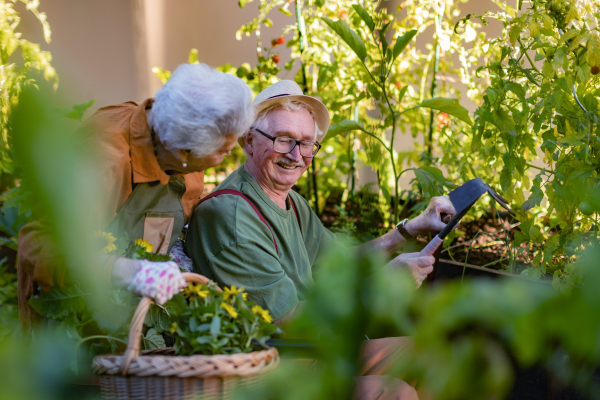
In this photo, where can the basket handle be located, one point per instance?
(137, 323)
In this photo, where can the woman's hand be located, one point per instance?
(419, 266)
(159, 280)
(431, 219)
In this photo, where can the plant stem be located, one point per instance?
(436, 68)
(391, 151)
(353, 164)
(302, 39)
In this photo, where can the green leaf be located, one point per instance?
(157, 318)
(154, 340)
(193, 324)
(215, 325)
(342, 127)
(285, 11)
(349, 36)
(402, 42)
(402, 93)
(383, 40)
(437, 175)
(517, 89)
(426, 182)
(560, 56)
(58, 304)
(242, 3)
(535, 199)
(76, 112)
(364, 15)
(450, 106)
(581, 174)
(504, 122)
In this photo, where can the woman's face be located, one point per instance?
(200, 164)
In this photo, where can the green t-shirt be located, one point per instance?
(230, 245)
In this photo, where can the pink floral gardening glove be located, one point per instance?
(159, 280)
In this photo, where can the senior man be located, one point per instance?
(260, 234)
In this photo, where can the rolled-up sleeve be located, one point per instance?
(229, 244)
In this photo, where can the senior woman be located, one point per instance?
(152, 157)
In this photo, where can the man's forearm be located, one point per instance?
(389, 242)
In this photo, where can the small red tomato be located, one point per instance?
(343, 14)
(280, 40)
(398, 85)
(595, 70)
(442, 118)
(274, 42)
(275, 59)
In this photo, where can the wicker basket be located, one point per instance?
(159, 374)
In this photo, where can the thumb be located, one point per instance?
(424, 261)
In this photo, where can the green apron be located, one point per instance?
(153, 212)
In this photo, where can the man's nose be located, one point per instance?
(295, 154)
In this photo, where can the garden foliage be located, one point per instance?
(215, 322)
(534, 131)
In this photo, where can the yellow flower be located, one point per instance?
(195, 289)
(110, 240)
(263, 313)
(245, 296)
(144, 244)
(173, 327)
(231, 292)
(230, 310)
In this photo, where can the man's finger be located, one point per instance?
(423, 261)
(426, 271)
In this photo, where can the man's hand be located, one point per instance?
(431, 219)
(419, 266)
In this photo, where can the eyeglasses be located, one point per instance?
(285, 145)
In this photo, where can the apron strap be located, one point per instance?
(256, 210)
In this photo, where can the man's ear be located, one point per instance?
(249, 141)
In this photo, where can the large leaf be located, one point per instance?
(153, 340)
(349, 36)
(364, 15)
(402, 42)
(157, 318)
(58, 304)
(450, 106)
(534, 200)
(427, 182)
(341, 127)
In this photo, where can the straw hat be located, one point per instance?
(282, 91)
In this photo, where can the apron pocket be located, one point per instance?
(158, 228)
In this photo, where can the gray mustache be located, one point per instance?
(289, 163)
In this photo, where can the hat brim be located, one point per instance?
(320, 111)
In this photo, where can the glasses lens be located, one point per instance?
(308, 149)
(286, 145)
(283, 144)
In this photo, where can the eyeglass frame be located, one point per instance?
(297, 143)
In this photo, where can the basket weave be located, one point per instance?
(159, 374)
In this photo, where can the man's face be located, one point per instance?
(281, 171)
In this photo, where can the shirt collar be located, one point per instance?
(144, 164)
